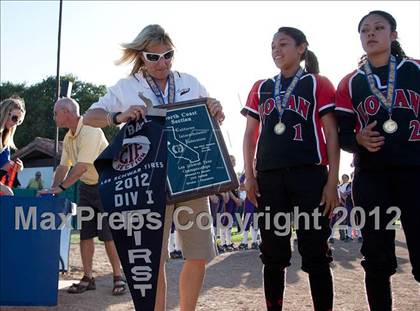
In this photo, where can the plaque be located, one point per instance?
(198, 160)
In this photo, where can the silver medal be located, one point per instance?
(279, 128)
(390, 126)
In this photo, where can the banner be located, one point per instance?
(132, 181)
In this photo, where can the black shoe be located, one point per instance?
(243, 246)
(231, 247)
(331, 240)
(178, 254)
(255, 245)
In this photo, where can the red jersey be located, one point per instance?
(303, 142)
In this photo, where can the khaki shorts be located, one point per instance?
(196, 242)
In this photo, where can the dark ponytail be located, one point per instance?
(396, 48)
(311, 61)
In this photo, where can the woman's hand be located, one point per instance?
(133, 113)
(370, 139)
(216, 109)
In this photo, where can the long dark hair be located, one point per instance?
(311, 61)
(396, 48)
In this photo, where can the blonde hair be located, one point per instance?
(6, 107)
(132, 51)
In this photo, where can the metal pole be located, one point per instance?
(58, 82)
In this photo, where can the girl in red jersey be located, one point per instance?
(378, 115)
(293, 113)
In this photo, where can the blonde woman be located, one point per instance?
(12, 113)
(152, 82)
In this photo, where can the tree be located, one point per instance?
(39, 100)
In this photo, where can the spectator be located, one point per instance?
(79, 153)
(36, 183)
(12, 114)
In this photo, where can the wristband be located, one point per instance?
(61, 187)
(114, 118)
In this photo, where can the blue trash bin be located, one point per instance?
(29, 259)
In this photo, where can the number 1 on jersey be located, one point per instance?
(298, 132)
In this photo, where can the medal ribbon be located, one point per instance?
(281, 103)
(388, 102)
(158, 92)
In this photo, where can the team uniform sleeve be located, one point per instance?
(251, 107)
(346, 117)
(325, 95)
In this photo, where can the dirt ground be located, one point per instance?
(233, 282)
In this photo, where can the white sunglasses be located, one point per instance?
(154, 57)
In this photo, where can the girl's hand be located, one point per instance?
(252, 190)
(329, 198)
(369, 138)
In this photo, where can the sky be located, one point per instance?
(226, 45)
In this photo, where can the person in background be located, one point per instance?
(216, 208)
(343, 194)
(355, 217)
(79, 154)
(232, 202)
(173, 244)
(36, 183)
(248, 217)
(12, 114)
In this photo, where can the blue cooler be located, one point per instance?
(29, 258)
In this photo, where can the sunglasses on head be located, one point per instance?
(154, 57)
(15, 119)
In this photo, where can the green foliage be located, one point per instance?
(39, 99)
